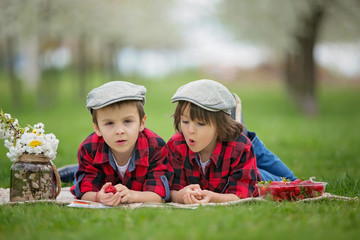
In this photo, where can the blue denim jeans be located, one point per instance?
(270, 166)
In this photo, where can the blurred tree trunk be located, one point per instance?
(82, 65)
(15, 87)
(300, 65)
(31, 71)
(111, 60)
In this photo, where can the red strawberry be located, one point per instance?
(283, 187)
(275, 183)
(110, 188)
(274, 192)
(312, 188)
(292, 195)
(307, 182)
(301, 196)
(318, 187)
(284, 196)
(309, 192)
(263, 190)
(277, 198)
(296, 182)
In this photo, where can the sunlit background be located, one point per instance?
(155, 38)
(295, 64)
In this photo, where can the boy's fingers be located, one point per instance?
(106, 202)
(195, 187)
(193, 199)
(107, 195)
(187, 199)
(198, 197)
(122, 193)
(111, 199)
(120, 187)
(125, 199)
(106, 185)
(117, 201)
(203, 201)
(199, 193)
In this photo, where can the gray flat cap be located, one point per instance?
(207, 94)
(112, 92)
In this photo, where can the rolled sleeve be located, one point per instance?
(160, 173)
(175, 152)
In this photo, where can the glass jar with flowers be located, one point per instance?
(33, 176)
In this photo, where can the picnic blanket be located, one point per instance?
(66, 198)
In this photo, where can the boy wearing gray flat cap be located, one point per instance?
(212, 155)
(121, 161)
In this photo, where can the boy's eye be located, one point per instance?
(108, 123)
(184, 121)
(128, 121)
(201, 124)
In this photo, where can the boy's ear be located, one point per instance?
(142, 123)
(97, 130)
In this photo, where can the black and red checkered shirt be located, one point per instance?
(232, 168)
(149, 168)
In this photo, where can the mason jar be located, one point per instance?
(33, 178)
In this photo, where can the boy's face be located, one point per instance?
(120, 127)
(199, 136)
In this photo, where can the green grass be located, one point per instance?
(320, 220)
(325, 146)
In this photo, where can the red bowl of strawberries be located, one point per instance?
(290, 191)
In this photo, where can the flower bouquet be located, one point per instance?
(30, 140)
(33, 175)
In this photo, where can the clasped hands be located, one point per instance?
(193, 194)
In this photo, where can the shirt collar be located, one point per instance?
(131, 161)
(139, 156)
(214, 157)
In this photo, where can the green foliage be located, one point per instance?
(325, 146)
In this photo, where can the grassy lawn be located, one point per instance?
(325, 146)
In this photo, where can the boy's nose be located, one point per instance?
(191, 128)
(120, 130)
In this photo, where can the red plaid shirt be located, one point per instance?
(149, 168)
(232, 168)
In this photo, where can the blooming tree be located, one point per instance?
(292, 29)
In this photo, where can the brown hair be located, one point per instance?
(138, 104)
(227, 128)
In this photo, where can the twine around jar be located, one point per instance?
(43, 159)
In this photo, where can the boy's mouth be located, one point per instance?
(191, 142)
(121, 141)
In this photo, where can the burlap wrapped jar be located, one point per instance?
(34, 178)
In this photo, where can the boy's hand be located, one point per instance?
(191, 194)
(206, 197)
(109, 199)
(126, 195)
